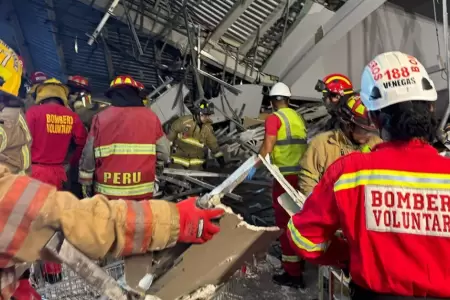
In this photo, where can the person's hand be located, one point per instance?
(196, 225)
(87, 190)
(251, 173)
(221, 161)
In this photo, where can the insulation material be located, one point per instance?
(214, 262)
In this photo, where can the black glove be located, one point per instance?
(88, 191)
(221, 161)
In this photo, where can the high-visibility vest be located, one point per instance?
(291, 142)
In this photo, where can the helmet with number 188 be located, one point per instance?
(395, 77)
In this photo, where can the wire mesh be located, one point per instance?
(68, 285)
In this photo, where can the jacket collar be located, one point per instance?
(338, 138)
(417, 144)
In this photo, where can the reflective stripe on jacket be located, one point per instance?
(291, 141)
(33, 211)
(120, 157)
(393, 206)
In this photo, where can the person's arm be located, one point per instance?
(311, 168)
(79, 136)
(312, 230)
(174, 130)
(213, 145)
(30, 119)
(96, 226)
(87, 161)
(271, 125)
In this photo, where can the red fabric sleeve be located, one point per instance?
(79, 135)
(312, 230)
(272, 124)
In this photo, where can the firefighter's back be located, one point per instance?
(125, 150)
(399, 236)
(52, 130)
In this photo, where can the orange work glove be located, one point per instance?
(196, 224)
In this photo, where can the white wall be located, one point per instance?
(388, 28)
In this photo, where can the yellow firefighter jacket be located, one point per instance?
(323, 150)
(190, 142)
(96, 226)
(15, 141)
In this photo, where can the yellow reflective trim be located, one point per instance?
(218, 154)
(85, 175)
(366, 149)
(4, 139)
(127, 190)
(360, 109)
(392, 178)
(303, 243)
(26, 157)
(190, 141)
(25, 128)
(125, 149)
(290, 258)
(186, 162)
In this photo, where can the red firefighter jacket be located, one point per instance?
(52, 127)
(393, 206)
(120, 154)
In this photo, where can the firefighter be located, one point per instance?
(124, 142)
(356, 132)
(36, 79)
(392, 204)
(335, 89)
(53, 126)
(94, 226)
(285, 141)
(192, 136)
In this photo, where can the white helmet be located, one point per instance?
(280, 89)
(395, 77)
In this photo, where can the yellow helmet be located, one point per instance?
(10, 71)
(52, 88)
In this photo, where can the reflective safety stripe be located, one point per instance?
(366, 149)
(290, 258)
(309, 175)
(293, 169)
(392, 178)
(125, 149)
(26, 158)
(186, 162)
(218, 154)
(303, 243)
(20, 207)
(4, 139)
(289, 139)
(191, 141)
(86, 175)
(126, 190)
(138, 229)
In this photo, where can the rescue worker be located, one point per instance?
(356, 132)
(285, 141)
(79, 92)
(53, 126)
(335, 89)
(392, 204)
(192, 136)
(36, 79)
(94, 226)
(125, 140)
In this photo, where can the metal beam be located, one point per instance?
(233, 14)
(213, 56)
(59, 49)
(347, 17)
(20, 38)
(268, 23)
(108, 58)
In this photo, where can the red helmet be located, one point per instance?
(77, 81)
(140, 85)
(336, 84)
(38, 77)
(353, 110)
(126, 80)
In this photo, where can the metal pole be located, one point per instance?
(447, 67)
(103, 22)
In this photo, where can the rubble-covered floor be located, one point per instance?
(256, 284)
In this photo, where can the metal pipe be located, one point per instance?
(446, 42)
(133, 29)
(103, 22)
